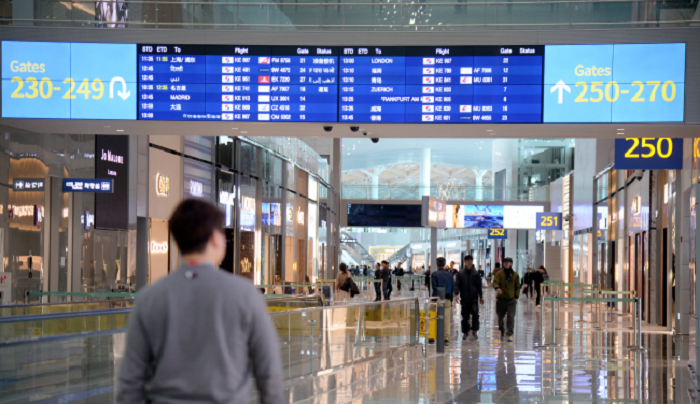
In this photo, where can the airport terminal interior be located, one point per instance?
(544, 152)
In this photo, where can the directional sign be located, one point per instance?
(88, 185)
(648, 153)
(27, 184)
(549, 221)
(614, 83)
(498, 234)
(68, 80)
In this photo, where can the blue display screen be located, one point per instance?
(614, 83)
(421, 84)
(459, 84)
(238, 83)
(68, 80)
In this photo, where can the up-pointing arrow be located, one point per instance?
(561, 86)
(123, 93)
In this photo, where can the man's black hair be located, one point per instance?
(440, 261)
(468, 258)
(385, 262)
(193, 223)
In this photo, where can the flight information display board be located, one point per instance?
(238, 83)
(414, 84)
(457, 84)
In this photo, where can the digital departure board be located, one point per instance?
(414, 84)
(459, 84)
(238, 83)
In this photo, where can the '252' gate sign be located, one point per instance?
(649, 153)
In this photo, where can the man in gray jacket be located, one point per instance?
(196, 335)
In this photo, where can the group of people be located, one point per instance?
(466, 287)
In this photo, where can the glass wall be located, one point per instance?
(349, 15)
(453, 169)
(275, 218)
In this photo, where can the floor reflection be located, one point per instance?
(589, 366)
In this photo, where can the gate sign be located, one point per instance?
(498, 234)
(548, 221)
(648, 153)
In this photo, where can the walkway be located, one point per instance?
(590, 367)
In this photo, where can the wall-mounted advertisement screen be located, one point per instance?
(375, 215)
(521, 217)
(474, 217)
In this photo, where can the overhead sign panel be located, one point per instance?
(355, 84)
(498, 234)
(649, 153)
(549, 221)
(68, 80)
(614, 83)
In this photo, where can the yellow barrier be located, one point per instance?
(433, 324)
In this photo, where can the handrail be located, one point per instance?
(349, 305)
(73, 314)
(82, 294)
(297, 298)
(11, 306)
(123, 310)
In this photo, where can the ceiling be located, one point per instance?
(301, 130)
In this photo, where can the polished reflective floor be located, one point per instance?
(588, 365)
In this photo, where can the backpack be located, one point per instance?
(350, 286)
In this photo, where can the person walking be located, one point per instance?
(537, 279)
(377, 285)
(442, 278)
(386, 280)
(343, 275)
(507, 285)
(200, 333)
(469, 291)
(528, 281)
(398, 272)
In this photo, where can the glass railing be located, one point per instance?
(413, 15)
(54, 308)
(15, 329)
(314, 341)
(446, 192)
(29, 322)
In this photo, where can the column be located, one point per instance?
(424, 184)
(336, 160)
(479, 184)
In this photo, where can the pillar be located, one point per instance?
(479, 184)
(424, 183)
(375, 187)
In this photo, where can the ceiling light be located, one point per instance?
(120, 130)
(234, 128)
(244, 131)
